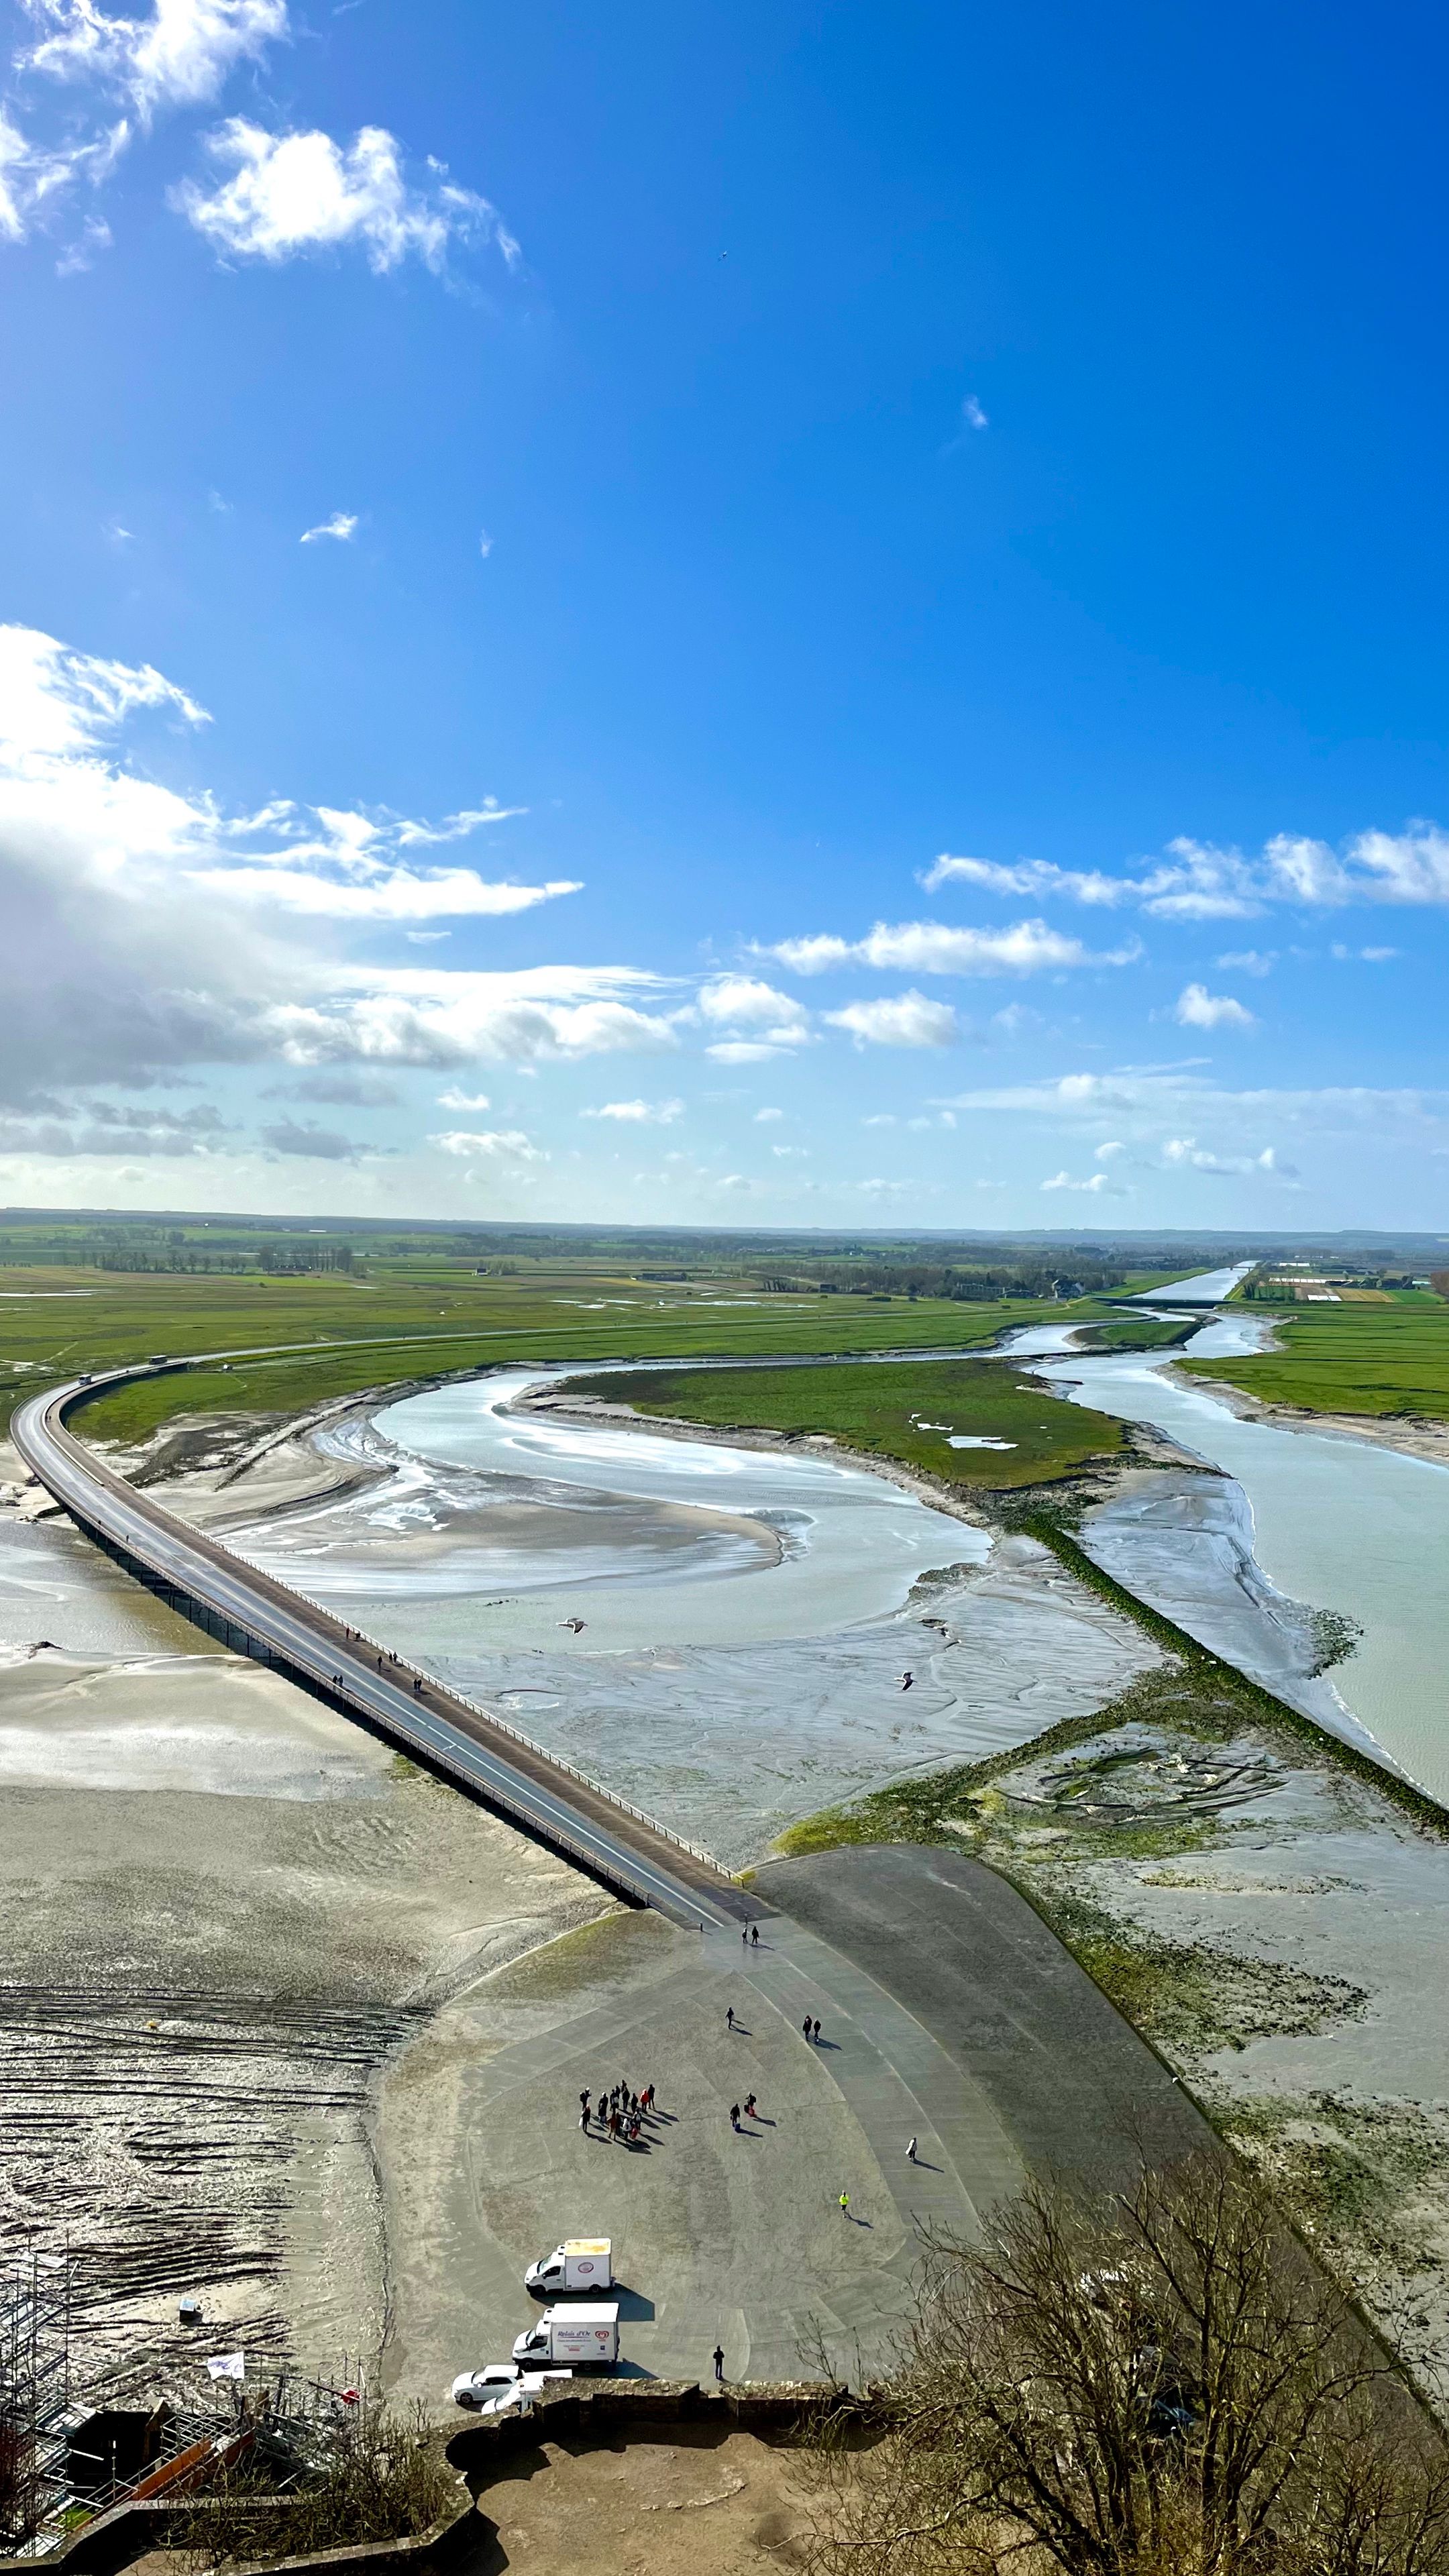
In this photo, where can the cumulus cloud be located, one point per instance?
(935, 948)
(342, 525)
(467, 1101)
(285, 195)
(760, 1021)
(148, 933)
(906, 1020)
(1197, 1008)
(1249, 961)
(1098, 1183)
(490, 1144)
(767, 1117)
(1106, 1153)
(177, 56)
(638, 1113)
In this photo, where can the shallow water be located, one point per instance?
(1335, 1522)
(652, 1541)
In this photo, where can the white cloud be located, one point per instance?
(1199, 881)
(973, 415)
(1185, 1152)
(485, 544)
(1106, 1153)
(289, 194)
(140, 941)
(1249, 961)
(457, 827)
(763, 1022)
(1037, 877)
(742, 1002)
(1064, 1181)
(495, 1144)
(638, 1113)
(767, 1117)
(393, 894)
(342, 525)
(906, 1020)
(934, 948)
(178, 56)
(744, 1051)
(1197, 1008)
(465, 1101)
(35, 180)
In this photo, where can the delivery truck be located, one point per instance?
(579, 2269)
(586, 2338)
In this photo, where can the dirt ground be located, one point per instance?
(702, 2502)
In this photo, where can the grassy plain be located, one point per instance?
(416, 1316)
(904, 1412)
(1381, 1359)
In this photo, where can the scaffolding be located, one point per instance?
(35, 2323)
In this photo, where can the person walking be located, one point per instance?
(730, 2018)
(815, 2033)
(719, 2361)
(584, 2099)
(911, 2152)
(754, 1936)
(734, 2115)
(750, 2106)
(845, 2204)
(584, 2119)
(805, 2025)
(745, 1936)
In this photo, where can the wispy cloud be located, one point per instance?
(342, 525)
(1199, 881)
(177, 55)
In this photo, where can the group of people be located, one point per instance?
(750, 2112)
(621, 2113)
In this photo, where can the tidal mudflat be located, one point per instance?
(719, 1632)
(224, 1912)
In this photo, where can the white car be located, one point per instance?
(501, 2386)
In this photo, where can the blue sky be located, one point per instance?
(795, 615)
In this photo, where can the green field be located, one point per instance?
(1371, 1359)
(417, 1315)
(887, 1411)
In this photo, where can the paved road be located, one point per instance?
(626, 1850)
(1074, 2087)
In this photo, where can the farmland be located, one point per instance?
(1382, 1359)
(416, 1314)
